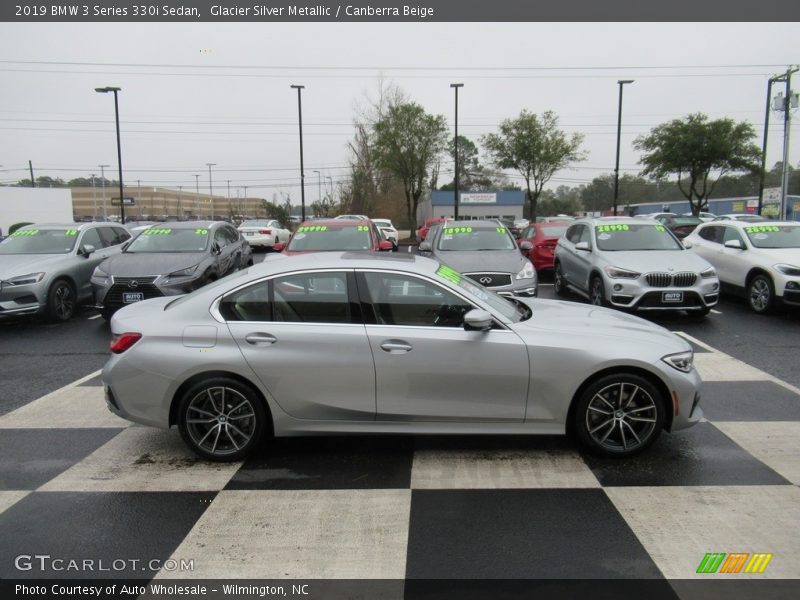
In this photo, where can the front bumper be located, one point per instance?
(23, 299)
(119, 291)
(497, 282)
(636, 294)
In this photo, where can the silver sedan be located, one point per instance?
(353, 343)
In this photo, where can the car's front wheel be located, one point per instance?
(222, 419)
(761, 294)
(619, 415)
(62, 302)
(559, 283)
(597, 293)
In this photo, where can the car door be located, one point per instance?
(87, 264)
(583, 258)
(225, 257)
(302, 335)
(427, 367)
(733, 265)
(567, 254)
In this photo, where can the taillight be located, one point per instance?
(265, 231)
(123, 341)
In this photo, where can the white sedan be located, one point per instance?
(388, 229)
(264, 233)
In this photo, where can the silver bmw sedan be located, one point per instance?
(351, 343)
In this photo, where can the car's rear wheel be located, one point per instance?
(619, 415)
(597, 293)
(559, 283)
(761, 294)
(62, 301)
(222, 419)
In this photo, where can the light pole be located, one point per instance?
(103, 183)
(94, 199)
(106, 90)
(786, 129)
(197, 194)
(319, 186)
(621, 82)
(770, 81)
(455, 86)
(211, 188)
(302, 172)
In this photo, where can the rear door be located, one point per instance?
(302, 335)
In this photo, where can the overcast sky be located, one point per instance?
(219, 92)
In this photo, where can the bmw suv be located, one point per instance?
(634, 264)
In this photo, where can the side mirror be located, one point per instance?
(525, 246)
(735, 244)
(385, 246)
(477, 320)
(279, 247)
(425, 247)
(583, 246)
(86, 250)
(687, 244)
(216, 249)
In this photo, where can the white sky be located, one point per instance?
(176, 117)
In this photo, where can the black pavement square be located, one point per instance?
(749, 401)
(522, 534)
(700, 455)
(120, 532)
(359, 462)
(30, 458)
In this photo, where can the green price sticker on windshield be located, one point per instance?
(201, 231)
(24, 232)
(501, 230)
(449, 274)
(610, 228)
(310, 228)
(457, 230)
(157, 231)
(660, 228)
(363, 228)
(763, 229)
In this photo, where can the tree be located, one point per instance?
(694, 149)
(536, 148)
(599, 194)
(407, 142)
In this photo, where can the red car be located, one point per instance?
(543, 237)
(423, 231)
(335, 235)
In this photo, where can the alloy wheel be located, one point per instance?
(760, 294)
(621, 417)
(220, 421)
(596, 293)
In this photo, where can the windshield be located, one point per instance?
(39, 241)
(476, 238)
(774, 236)
(635, 237)
(511, 310)
(325, 238)
(166, 239)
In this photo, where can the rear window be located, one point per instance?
(553, 231)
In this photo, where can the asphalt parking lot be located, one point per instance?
(75, 481)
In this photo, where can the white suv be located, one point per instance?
(760, 261)
(634, 264)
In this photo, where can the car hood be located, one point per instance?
(13, 265)
(507, 261)
(657, 260)
(781, 255)
(588, 321)
(130, 264)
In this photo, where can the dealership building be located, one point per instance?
(473, 205)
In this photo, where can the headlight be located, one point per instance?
(99, 275)
(183, 272)
(682, 361)
(708, 273)
(26, 279)
(528, 272)
(616, 273)
(788, 270)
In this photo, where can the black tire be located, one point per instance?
(559, 283)
(597, 292)
(700, 314)
(62, 302)
(207, 413)
(761, 294)
(604, 413)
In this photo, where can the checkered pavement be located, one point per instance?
(76, 481)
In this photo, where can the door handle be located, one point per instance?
(260, 339)
(396, 347)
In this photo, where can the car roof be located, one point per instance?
(336, 222)
(471, 223)
(619, 220)
(187, 224)
(743, 224)
(78, 226)
(401, 261)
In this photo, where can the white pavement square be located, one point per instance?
(500, 469)
(679, 525)
(143, 459)
(775, 443)
(319, 534)
(9, 498)
(70, 407)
